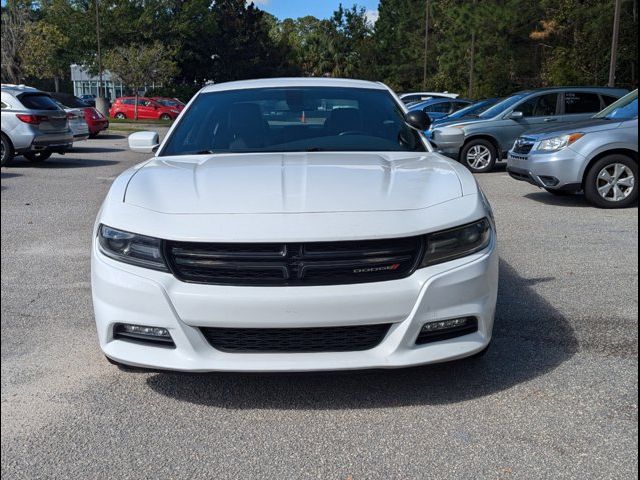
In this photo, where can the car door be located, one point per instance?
(579, 105)
(147, 109)
(537, 111)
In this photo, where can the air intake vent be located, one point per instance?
(296, 340)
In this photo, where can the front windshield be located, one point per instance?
(624, 109)
(500, 107)
(300, 119)
(473, 109)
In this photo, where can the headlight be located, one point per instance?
(558, 143)
(131, 248)
(456, 243)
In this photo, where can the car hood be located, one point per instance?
(585, 126)
(268, 183)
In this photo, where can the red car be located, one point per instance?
(148, 109)
(96, 121)
(170, 102)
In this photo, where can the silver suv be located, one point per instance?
(33, 125)
(598, 156)
(479, 143)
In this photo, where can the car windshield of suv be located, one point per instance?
(38, 101)
(500, 107)
(300, 119)
(474, 109)
(624, 109)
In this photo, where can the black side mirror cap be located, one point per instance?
(418, 119)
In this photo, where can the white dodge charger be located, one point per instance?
(293, 225)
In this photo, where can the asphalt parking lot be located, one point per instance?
(556, 397)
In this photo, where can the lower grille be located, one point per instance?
(294, 264)
(296, 340)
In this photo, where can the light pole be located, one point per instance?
(426, 46)
(614, 43)
(99, 53)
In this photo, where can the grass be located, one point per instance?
(129, 125)
(143, 122)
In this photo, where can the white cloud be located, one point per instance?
(372, 16)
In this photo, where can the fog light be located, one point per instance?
(446, 329)
(143, 333)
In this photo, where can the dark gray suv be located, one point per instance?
(480, 142)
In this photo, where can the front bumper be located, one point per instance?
(128, 294)
(560, 170)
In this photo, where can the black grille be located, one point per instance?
(296, 340)
(323, 263)
(523, 146)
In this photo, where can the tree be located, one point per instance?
(15, 19)
(138, 65)
(45, 53)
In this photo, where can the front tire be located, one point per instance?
(479, 156)
(120, 116)
(165, 117)
(7, 151)
(611, 182)
(37, 157)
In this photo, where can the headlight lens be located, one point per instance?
(457, 243)
(131, 248)
(558, 143)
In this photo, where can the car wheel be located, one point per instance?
(94, 135)
(165, 117)
(120, 116)
(479, 156)
(611, 182)
(7, 151)
(37, 157)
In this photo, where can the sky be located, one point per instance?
(318, 8)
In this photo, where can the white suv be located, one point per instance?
(293, 225)
(33, 125)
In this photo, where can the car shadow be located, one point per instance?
(531, 338)
(570, 200)
(9, 174)
(109, 136)
(59, 162)
(82, 150)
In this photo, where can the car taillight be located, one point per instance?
(32, 119)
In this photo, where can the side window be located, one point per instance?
(442, 107)
(581, 102)
(4, 105)
(608, 100)
(541, 106)
(129, 101)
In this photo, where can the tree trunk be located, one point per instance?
(472, 59)
(135, 107)
(56, 82)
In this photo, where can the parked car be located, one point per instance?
(169, 102)
(479, 143)
(148, 109)
(598, 156)
(96, 121)
(438, 108)
(33, 125)
(415, 97)
(77, 123)
(299, 241)
(88, 99)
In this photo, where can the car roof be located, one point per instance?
(293, 82)
(578, 88)
(17, 89)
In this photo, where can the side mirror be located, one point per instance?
(144, 142)
(515, 115)
(418, 120)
